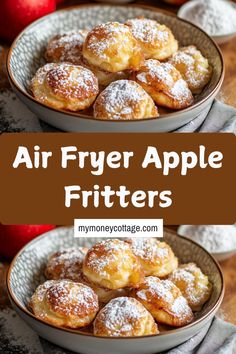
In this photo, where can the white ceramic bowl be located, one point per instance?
(26, 273)
(184, 14)
(26, 55)
(183, 230)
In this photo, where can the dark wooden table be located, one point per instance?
(228, 95)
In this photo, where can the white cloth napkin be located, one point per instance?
(15, 117)
(218, 117)
(16, 337)
(220, 338)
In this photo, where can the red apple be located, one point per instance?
(14, 237)
(17, 14)
(176, 2)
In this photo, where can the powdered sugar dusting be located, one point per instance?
(121, 98)
(157, 287)
(148, 31)
(43, 288)
(216, 17)
(160, 71)
(187, 63)
(108, 251)
(165, 291)
(194, 282)
(168, 77)
(70, 81)
(66, 297)
(180, 90)
(180, 307)
(120, 315)
(148, 248)
(67, 80)
(106, 35)
(67, 47)
(41, 73)
(142, 77)
(215, 238)
(66, 264)
(192, 65)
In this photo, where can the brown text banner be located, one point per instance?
(53, 178)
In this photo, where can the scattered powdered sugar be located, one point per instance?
(163, 73)
(215, 238)
(67, 47)
(142, 77)
(41, 73)
(148, 248)
(16, 337)
(216, 17)
(106, 35)
(180, 307)
(222, 97)
(187, 62)
(121, 97)
(164, 290)
(180, 90)
(67, 80)
(192, 65)
(142, 295)
(193, 281)
(70, 80)
(104, 253)
(160, 71)
(182, 273)
(66, 264)
(148, 31)
(41, 290)
(15, 116)
(120, 314)
(157, 287)
(70, 298)
(181, 57)
(72, 253)
(223, 315)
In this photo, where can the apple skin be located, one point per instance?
(15, 15)
(14, 237)
(176, 2)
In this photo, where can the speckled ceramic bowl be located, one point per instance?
(26, 273)
(26, 56)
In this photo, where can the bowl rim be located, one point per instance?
(27, 312)
(183, 227)
(79, 115)
(181, 12)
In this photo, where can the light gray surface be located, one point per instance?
(16, 117)
(219, 339)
